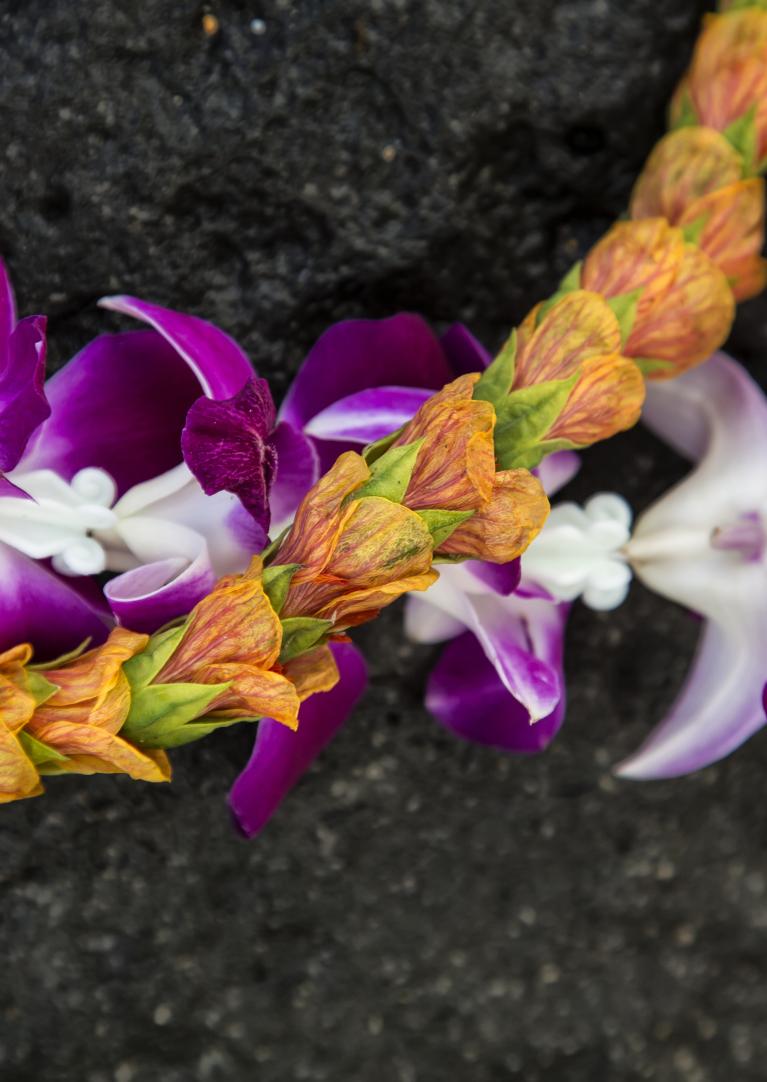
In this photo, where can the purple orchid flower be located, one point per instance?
(704, 545)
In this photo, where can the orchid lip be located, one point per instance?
(746, 536)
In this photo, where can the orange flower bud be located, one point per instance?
(504, 528)
(579, 336)
(456, 463)
(728, 74)
(18, 776)
(82, 719)
(685, 308)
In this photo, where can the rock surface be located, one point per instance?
(421, 909)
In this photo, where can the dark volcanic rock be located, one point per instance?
(421, 909)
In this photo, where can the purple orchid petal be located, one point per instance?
(357, 354)
(120, 404)
(367, 415)
(7, 488)
(220, 365)
(38, 606)
(280, 756)
(7, 313)
(557, 469)
(148, 597)
(503, 579)
(465, 693)
(225, 446)
(464, 353)
(23, 405)
(298, 467)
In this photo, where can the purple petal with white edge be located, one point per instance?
(298, 467)
(225, 446)
(23, 405)
(147, 597)
(722, 414)
(557, 469)
(39, 607)
(220, 365)
(360, 353)
(120, 404)
(465, 693)
(280, 755)
(503, 579)
(7, 313)
(464, 353)
(367, 415)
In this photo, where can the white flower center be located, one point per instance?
(579, 552)
(62, 520)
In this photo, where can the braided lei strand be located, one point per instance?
(653, 298)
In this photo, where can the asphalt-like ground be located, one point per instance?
(421, 910)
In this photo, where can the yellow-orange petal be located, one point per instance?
(690, 322)
(685, 165)
(607, 399)
(93, 674)
(455, 466)
(92, 750)
(728, 38)
(255, 693)
(234, 623)
(319, 518)
(579, 326)
(733, 234)
(645, 254)
(358, 606)
(512, 519)
(312, 672)
(381, 541)
(18, 776)
(16, 705)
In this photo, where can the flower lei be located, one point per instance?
(451, 480)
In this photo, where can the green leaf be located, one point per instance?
(649, 365)
(693, 231)
(390, 474)
(196, 730)
(526, 416)
(495, 382)
(37, 751)
(273, 546)
(302, 633)
(63, 658)
(40, 688)
(741, 5)
(373, 451)
(161, 709)
(572, 280)
(276, 580)
(743, 136)
(442, 523)
(687, 117)
(143, 668)
(624, 308)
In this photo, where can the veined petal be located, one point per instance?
(358, 354)
(281, 756)
(368, 415)
(220, 365)
(18, 777)
(120, 404)
(502, 530)
(606, 399)
(579, 326)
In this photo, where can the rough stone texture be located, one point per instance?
(421, 909)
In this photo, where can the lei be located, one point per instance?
(245, 544)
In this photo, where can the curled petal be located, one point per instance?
(503, 529)
(18, 776)
(280, 756)
(555, 345)
(312, 672)
(91, 750)
(219, 364)
(685, 164)
(354, 607)
(733, 234)
(93, 677)
(150, 596)
(254, 692)
(606, 399)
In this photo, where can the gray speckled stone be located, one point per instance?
(421, 909)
